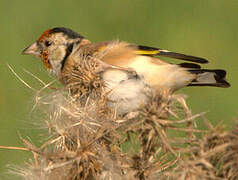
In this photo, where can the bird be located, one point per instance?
(129, 72)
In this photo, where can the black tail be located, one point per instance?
(207, 77)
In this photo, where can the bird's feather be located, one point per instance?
(151, 51)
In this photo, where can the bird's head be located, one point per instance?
(54, 46)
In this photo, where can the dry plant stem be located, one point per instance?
(14, 148)
(89, 140)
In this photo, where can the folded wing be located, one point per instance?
(151, 51)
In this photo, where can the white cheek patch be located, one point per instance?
(56, 59)
(57, 52)
(60, 53)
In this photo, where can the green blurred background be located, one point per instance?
(206, 28)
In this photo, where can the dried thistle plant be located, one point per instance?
(89, 140)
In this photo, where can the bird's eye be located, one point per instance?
(47, 43)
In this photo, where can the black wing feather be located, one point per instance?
(146, 50)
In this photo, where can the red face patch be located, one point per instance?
(45, 34)
(44, 54)
(44, 57)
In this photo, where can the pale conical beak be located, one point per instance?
(33, 49)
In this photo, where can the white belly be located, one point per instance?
(126, 91)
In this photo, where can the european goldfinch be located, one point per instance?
(128, 71)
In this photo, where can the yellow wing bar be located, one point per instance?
(151, 51)
(146, 52)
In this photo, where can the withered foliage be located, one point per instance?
(88, 140)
